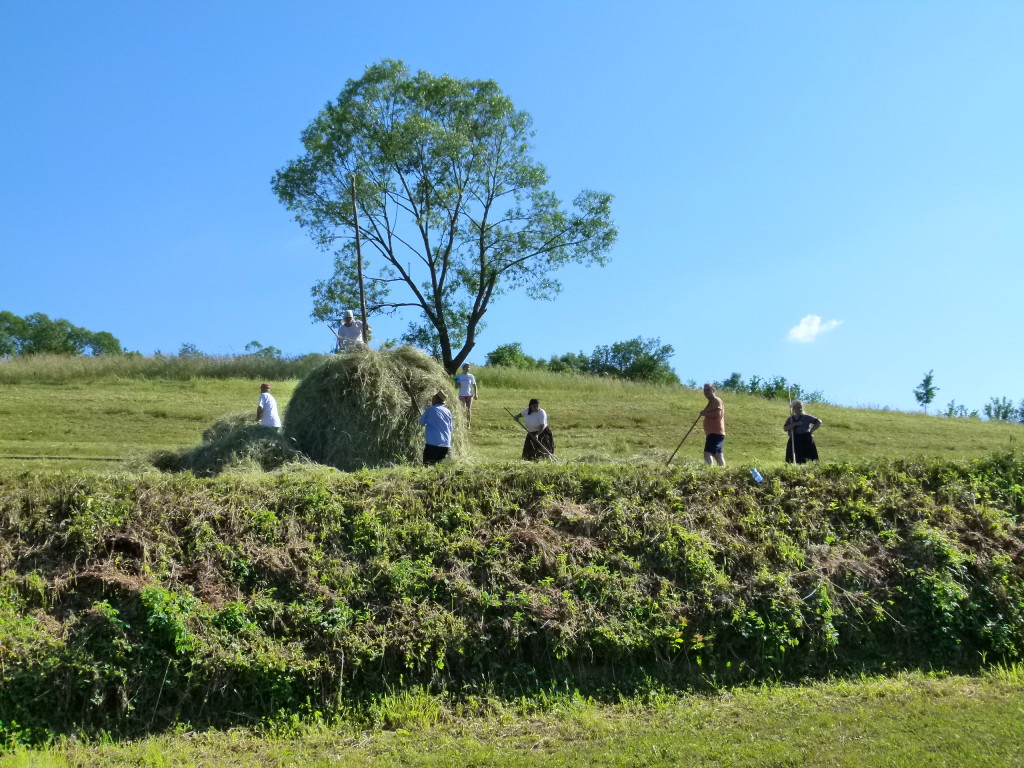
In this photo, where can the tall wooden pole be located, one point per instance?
(359, 261)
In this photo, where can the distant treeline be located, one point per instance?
(37, 334)
(996, 409)
(642, 359)
(637, 360)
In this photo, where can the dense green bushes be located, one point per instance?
(153, 599)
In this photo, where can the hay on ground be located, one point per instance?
(227, 425)
(233, 441)
(361, 409)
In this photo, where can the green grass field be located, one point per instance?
(83, 420)
(84, 416)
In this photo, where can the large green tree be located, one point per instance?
(453, 208)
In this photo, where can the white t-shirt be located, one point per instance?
(535, 421)
(467, 384)
(351, 333)
(271, 418)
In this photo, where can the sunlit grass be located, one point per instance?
(97, 413)
(68, 369)
(910, 720)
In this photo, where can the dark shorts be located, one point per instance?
(713, 443)
(432, 454)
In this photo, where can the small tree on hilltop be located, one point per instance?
(453, 209)
(256, 349)
(926, 390)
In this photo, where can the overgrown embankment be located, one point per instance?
(146, 600)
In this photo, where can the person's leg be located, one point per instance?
(467, 403)
(713, 450)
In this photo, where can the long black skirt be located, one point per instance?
(806, 450)
(532, 451)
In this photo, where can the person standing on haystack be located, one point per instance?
(467, 392)
(437, 424)
(800, 427)
(540, 442)
(266, 410)
(350, 332)
(714, 427)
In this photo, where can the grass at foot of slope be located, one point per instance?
(907, 721)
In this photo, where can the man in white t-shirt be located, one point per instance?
(266, 411)
(350, 332)
(467, 392)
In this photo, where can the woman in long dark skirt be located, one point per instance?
(800, 427)
(540, 442)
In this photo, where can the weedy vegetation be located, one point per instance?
(152, 600)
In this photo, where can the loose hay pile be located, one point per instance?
(362, 409)
(234, 441)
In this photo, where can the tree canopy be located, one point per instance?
(637, 359)
(37, 334)
(453, 209)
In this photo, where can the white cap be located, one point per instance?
(348, 313)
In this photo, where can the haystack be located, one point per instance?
(361, 409)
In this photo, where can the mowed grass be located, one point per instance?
(909, 720)
(104, 424)
(88, 420)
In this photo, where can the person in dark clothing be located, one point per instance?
(801, 427)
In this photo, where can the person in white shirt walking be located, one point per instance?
(540, 442)
(468, 392)
(266, 411)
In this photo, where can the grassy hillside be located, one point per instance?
(87, 414)
(153, 600)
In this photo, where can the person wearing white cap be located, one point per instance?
(468, 392)
(266, 411)
(350, 332)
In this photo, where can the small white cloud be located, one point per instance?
(809, 329)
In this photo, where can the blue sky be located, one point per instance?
(827, 191)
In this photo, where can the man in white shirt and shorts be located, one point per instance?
(467, 392)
